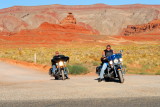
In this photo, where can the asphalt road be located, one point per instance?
(20, 86)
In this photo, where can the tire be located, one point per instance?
(107, 79)
(120, 76)
(63, 77)
(56, 78)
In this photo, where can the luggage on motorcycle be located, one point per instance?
(98, 69)
(50, 71)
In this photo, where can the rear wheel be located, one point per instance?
(120, 76)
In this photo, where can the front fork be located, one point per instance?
(58, 71)
(122, 69)
(115, 71)
(108, 69)
(64, 70)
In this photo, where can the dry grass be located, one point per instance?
(139, 59)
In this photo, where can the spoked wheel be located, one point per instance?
(63, 77)
(120, 76)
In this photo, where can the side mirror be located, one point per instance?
(121, 51)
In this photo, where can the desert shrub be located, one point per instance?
(95, 63)
(77, 69)
(158, 72)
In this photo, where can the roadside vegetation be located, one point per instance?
(77, 69)
(138, 59)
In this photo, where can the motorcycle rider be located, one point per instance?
(57, 55)
(107, 52)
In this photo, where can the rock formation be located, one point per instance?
(107, 19)
(135, 29)
(69, 19)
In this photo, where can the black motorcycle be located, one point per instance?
(115, 68)
(61, 68)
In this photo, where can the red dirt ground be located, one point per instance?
(41, 68)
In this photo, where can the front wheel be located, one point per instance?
(63, 77)
(107, 79)
(120, 76)
(56, 78)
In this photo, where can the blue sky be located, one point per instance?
(9, 3)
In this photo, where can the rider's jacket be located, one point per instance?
(108, 52)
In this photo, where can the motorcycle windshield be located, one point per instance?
(114, 56)
(60, 58)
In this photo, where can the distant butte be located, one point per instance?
(69, 19)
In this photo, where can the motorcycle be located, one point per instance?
(61, 68)
(115, 68)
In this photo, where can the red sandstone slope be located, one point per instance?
(48, 33)
(49, 29)
(107, 19)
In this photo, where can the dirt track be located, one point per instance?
(23, 84)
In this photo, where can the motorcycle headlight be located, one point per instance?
(111, 62)
(121, 59)
(116, 61)
(61, 63)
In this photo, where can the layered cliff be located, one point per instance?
(107, 19)
(143, 28)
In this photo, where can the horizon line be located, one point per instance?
(81, 5)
